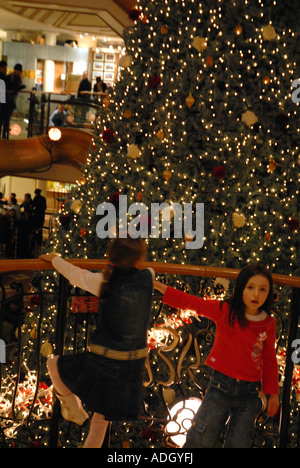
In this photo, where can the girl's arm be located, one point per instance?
(270, 384)
(273, 405)
(180, 300)
(83, 279)
(160, 286)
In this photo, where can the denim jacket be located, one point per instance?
(124, 315)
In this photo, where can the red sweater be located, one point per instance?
(241, 353)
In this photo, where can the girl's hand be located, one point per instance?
(48, 257)
(273, 405)
(160, 286)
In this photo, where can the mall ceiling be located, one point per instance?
(71, 18)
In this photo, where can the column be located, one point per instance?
(48, 76)
(49, 65)
(3, 37)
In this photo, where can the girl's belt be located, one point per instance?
(118, 355)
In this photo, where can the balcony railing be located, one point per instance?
(37, 269)
(81, 113)
(35, 108)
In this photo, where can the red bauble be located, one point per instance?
(154, 81)
(108, 135)
(114, 198)
(219, 172)
(82, 232)
(35, 444)
(35, 300)
(134, 14)
(209, 60)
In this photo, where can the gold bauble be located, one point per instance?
(160, 134)
(268, 32)
(199, 43)
(190, 101)
(167, 174)
(127, 114)
(106, 101)
(238, 30)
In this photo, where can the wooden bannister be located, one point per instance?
(158, 267)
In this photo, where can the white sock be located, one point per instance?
(55, 377)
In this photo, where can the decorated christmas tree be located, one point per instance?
(203, 113)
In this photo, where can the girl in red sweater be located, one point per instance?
(243, 358)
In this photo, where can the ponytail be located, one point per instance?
(106, 277)
(122, 253)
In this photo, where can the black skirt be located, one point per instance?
(106, 386)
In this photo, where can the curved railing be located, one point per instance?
(35, 265)
(158, 267)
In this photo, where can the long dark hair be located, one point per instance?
(122, 253)
(236, 303)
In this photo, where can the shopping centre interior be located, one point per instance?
(55, 45)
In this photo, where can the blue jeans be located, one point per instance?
(227, 399)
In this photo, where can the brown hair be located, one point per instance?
(122, 253)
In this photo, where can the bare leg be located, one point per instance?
(97, 432)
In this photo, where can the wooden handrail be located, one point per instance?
(158, 267)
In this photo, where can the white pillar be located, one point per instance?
(50, 39)
(49, 66)
(48, 76)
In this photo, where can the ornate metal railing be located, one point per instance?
(22, 411)
(81, 113)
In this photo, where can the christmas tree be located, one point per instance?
(203, 113)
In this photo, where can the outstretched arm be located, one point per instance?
(83, 279)
(182, 300)
(160, 286)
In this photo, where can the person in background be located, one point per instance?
(99, 86)
(14, 85)
(39, 206)
(85, 87)
(14, 205)
(5, 233)
(83, 96)
(12, 196)
(2, 200)
(59, 117)
(27, 206)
